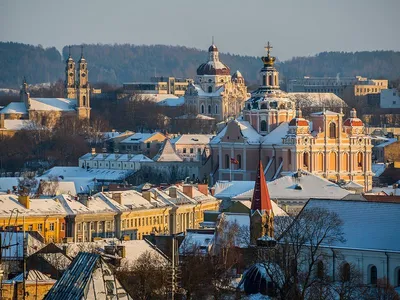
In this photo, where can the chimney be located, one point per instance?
(203, 188)
(188, 190)
(212, 191)
(1, 120)
(172, 192)
(121, 251)
(146, 195)
(117, 197)
(84, 199)
(93, 151)
(25, 201)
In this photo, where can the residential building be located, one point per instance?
(214, 92)
(47, 111)
(386, 150)
(390, 98)
(45, 216)
(158, 85)
(272, 130)
(192, 147)
(141, 143)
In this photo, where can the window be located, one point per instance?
(131, 223)
(320, 269)
(191, 150)
(359, 160)
(346, 272)
(30, 227)
(40, 227)
(202, 108)
(148, 145)
(264, 82)
(210, 89)
(209, 109)
(108, 225)
(184, 150)
(216, 109)
(289, 156)
(84, 100)
(263, 125)
(239, 159)
(51, 226)
(373, 275)
(136, 222)
(398, 277)
(62, 226)
(332, 130)
(147, 221)
(79, 227)
(226, 161)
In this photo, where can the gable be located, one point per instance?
(233, 134)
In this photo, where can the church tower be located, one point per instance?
(24, 94)
(70, 77)
(83, 89)
(261, 214)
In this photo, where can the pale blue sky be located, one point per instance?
(294, 27)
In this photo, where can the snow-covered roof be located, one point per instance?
(7, 183)
(303, 188)
(52, 104)
(32, 276)
(72, 173)
(316, 99)
(172, 101)
(326, 112)
(138, 138)
(229, 189)
(198, 116)
(276, 135)
(366, 224)
(192, 139)
(387, 143)
(40, 206)
(167, 153)
(378, 169)
(95, 204)
(134, 200)
(278, 212)
(115, 157)
(197, 240)
(14, 108)
(202, 93)
(248, 132)
(111, 134)
(387, 190)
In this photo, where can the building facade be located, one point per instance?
(158, 85)
(390, 98)
(214, 92)
(273, 131)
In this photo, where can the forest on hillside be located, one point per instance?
(116, 64)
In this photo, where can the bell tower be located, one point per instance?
(83, 89)
(70, 77)
(269, 74)
(24, 94)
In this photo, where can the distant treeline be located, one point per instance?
(116, 64)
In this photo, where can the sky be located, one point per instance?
(294, 27)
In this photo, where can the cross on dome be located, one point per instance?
(268, 47)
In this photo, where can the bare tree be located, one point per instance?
(27, 184)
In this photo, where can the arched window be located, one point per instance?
(202, 108)
(346, 272)
(264, 82)
(84, 100)
(360, 160)
(320, 269)
(320, 165)
(305, 160)
(226, 161)
(216, 109)
(264, 106)
(270, 80)
(209, 109)
(332, 161)
(289, 156)
(263, 125)
(210, 89)
(239, 159)
(332, 130)
(345, 162)
(373, 276)
(248, 106)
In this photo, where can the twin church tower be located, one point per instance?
(78, 88)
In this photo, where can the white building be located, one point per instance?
(191, 147)
(390, 98)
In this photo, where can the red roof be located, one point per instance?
(261, 199)
(298, 122)
(353, 122)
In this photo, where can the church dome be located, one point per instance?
(237, 75)
(214, 66)
(353, 120)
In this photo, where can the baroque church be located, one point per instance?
(273, 131)
(47, 111)
(214, 92)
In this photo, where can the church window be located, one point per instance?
(216, 109)
(202, 109)
(263, 125)
(320, 269)
(209, 109)
(264, 106)
(226, 161)
(184, 150)
(346, 272)
(191, 150)
(239, 159)
(70, 66)
(320, 162)
(332, 161)
(270, 80)
(273, 104)
(210, 80)
(84, 100)
(373, 276)
(359, 160)
(332, 130)
(210, 89)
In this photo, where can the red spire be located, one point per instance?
(261, 199)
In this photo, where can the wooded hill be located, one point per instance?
(116, 64)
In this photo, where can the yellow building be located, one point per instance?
(42, 215)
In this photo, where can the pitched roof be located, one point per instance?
(14, 108)
(167, 153)
(74, 282)
(138, 138)
(33, 275)
(366, 224)
(194, 139)
(52, 104)
(261, 200)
